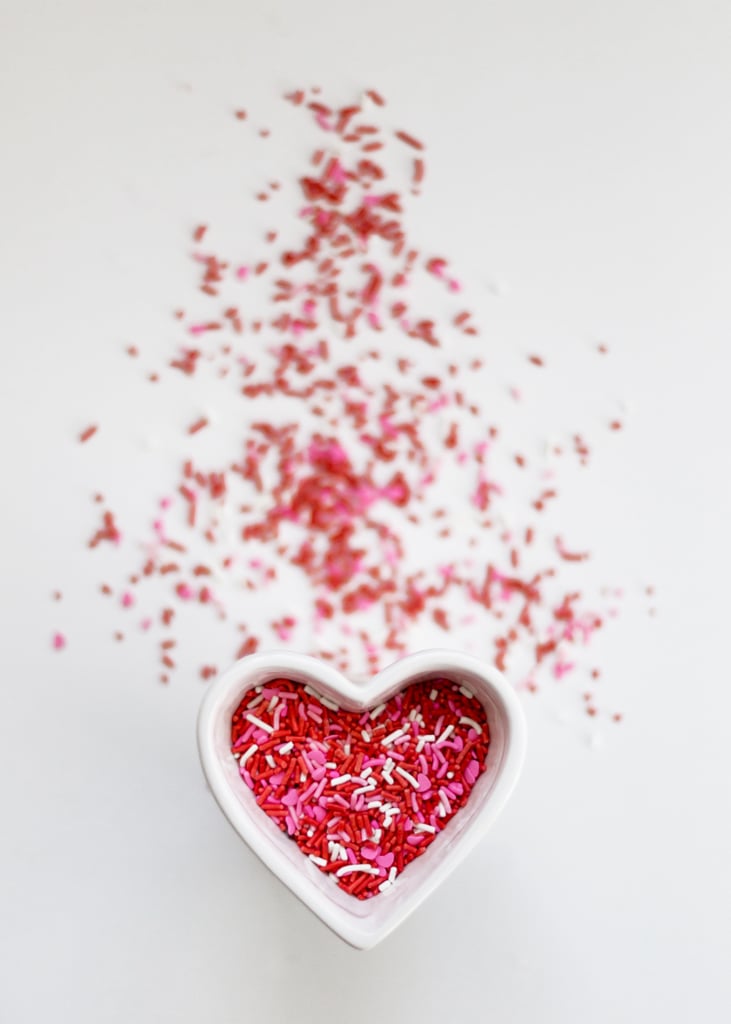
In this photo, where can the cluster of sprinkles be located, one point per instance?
(377, 478)
(361, 793)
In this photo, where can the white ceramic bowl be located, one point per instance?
(362, 923)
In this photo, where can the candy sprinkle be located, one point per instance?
(359, 815)
(87, 434)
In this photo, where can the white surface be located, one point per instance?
(592, 141)
(363, 924)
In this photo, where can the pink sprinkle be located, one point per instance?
(59, 641)
(242, 273)
(437, 267)
(337, 173)
(127, 599)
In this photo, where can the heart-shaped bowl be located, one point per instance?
(362, 923)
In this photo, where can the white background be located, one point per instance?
(580, 157)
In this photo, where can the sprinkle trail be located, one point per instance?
(368, 467)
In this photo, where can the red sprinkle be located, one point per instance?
(88, 433)
(409, 140)
(198, 425)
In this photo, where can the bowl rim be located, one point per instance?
(364, 931)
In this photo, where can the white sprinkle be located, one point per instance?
(392, 875)
(465, 692)
(387, 776)
(270, 761)
(433, 695)
(346, 748)
(367, 869)
(385, 885)
(330, 764)
(256, 700)
(286, 747)
(340, 780)
(423, 740)
(377, 833)
(366, 772)
(320, 861)
(273, 703)
(312, 693)
(407, 775)
(373, 804)
(330, 704)
(377, 710)
(466, 720)
(450, 775)
(420, 826)
(446, 734)
(364, 789)
(366, 735)
(392, 736)
(245, 756)
(303, 777)
(259, 724)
